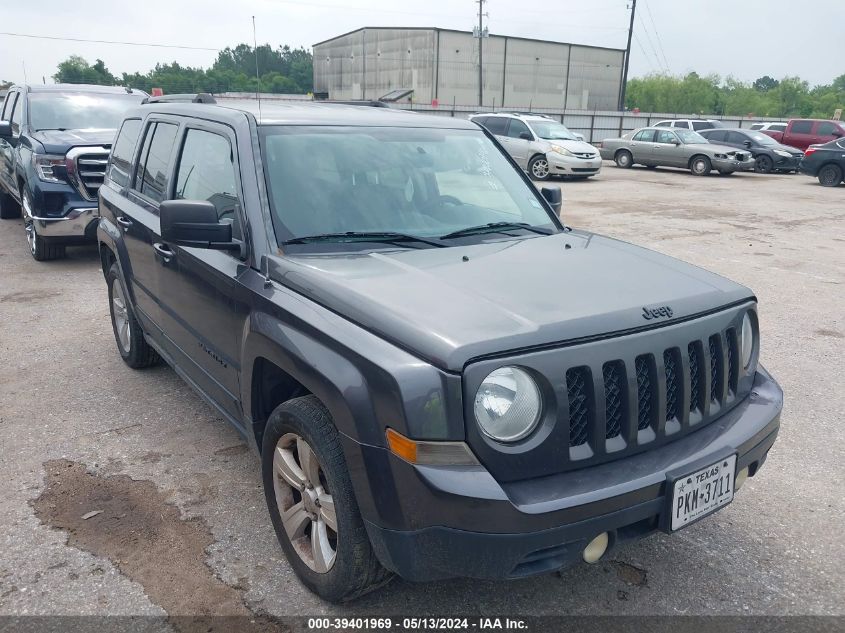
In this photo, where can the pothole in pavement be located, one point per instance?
(130, 523)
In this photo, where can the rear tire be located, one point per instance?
(830, 175)
(624, 159)
(304, 427)
(9, 208)
(133, 347)
(700, 165)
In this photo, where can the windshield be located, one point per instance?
(79, 110)
(411, 181)
(762, 139)
(551, 131)
(688, 136)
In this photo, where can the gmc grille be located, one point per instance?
(88, 169)
(675, 389)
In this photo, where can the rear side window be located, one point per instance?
(517, 128)
(826, 128)
(481, 120)
(802, 127)
(702, 125)
(664, 124)
(121, 154)
(155, 160)
(778, 128)
(757, 126)
(716, 136)
(206, 172)
(683, 124)
(497, 125)
(644, 135)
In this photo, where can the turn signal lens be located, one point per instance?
(401, 446)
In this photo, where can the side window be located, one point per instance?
(716, 137)
(802, 127)
(665, 136)
(497, 125)
(737, 138)
(481, 120)
(684, 124)
(644, 135)
(664, 124)
(826, 128)
(702, 125)
(122, 152)
(7, 106)
(757, 126)
(206, 172)
(778, 128)
(517, 128)
(16, 116)
(152, 178)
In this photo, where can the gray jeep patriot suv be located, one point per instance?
(440, 377)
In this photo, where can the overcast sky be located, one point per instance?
(743, 38)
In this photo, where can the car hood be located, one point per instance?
(60, 141)
(451, 305)
(716, 148)
(579, 147)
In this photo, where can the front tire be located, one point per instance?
(624, 159)
(133, 347)
(9, 208)
(830, 176)
(538, 168)
(700, 166)
(763, 164)
(312, 504)
(40, 249)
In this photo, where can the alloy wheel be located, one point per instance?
(29, 223)
(121, 317)
(305, 502)
(830, 176)
(540, 168)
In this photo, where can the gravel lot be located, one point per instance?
(66, 400)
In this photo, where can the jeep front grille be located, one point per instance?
(669, 396)
(87, 169)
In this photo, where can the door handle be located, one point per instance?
(163, 252)
(125, 222)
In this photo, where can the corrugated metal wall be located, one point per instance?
(443, 65)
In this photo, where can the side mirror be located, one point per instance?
(748, 143)
(836, 134)
(526, 136)
(194, 223)
(554, 197)
(676, 142)
(5, 129)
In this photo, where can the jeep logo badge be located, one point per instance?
(657, 313)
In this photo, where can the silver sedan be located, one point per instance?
(653, 147)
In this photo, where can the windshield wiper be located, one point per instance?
(363, 236)
(494, 227)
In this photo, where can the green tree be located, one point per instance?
(765, 83)
(77, 70)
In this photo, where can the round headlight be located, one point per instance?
(747, 340)
(508, 404)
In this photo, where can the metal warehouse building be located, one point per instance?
(442, 65)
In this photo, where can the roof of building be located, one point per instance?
(434, 28)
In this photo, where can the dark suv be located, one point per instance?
(441, 378)
(54, 145)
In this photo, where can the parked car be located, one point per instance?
(541, 146)
(802, 133)
(440, 377)
(54, 144)
(770, 126)
(825, 162)
(690, 124)
(768, 154)
(656, 147)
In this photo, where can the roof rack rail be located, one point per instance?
(200, 97)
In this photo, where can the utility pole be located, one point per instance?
(633, 8)
(480, 35)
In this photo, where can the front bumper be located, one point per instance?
(731, 164)
(429, 523)
(79, 225)
(573, 166)
(60, 214)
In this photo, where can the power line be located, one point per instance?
(645, 56)
(657, 35)
(79, 39)
(650, 43)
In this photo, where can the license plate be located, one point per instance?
(698, 494)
